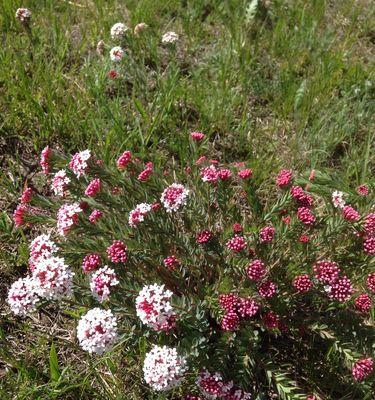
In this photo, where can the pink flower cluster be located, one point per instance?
(117, 252)
(171, 262)
(124, 160)
(302, 283)
(101, 282)
(174, 197)
(154, 308)
(67, 217)
(362, 190)
(305, 215)
(139, 213)
(93, 188)
(91, 262)
(350, 214)
(302, 198)
(362, 369)
(284, 178)
(236, 308)
(95, 215)
(370, 281)
(363, 303)
(237, 243)
(256, 270)
(204, 236)
(146, 173)
(267, 289)
(213, 386)
(79, 163)
(26, 195)
(245, 173)
(22, 297)
(197, 136)
(267, 234)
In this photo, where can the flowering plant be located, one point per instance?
(240, 287)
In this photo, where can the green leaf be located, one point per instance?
(54, 364)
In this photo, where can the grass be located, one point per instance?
(283, 83)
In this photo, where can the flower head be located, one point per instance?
(326, 271)
(60, 182)
(363, 190)
(154, 308)
(41, 247)
(174, 197)
(341, 290)
(363, 302)
(91, 262)
(53, 278)
(209, 174)
(67, 217)
(305, 215)
(139, 213)
(237, 243)
(163, 368)
(350, 214)
(267, 234)
(140, 28)
(256, 270)
(284, 178)
(197, 136)
(245, 173)
(22, 297)
(117, 251)
(23, 14)
(338, 199)
(101, 282)
(204, 236)
(97, 330)
(93, 188)
(116, 54)
(370, 281)
(302, 283)
(26, 195)
(362, 369)
(95, 215)
(79, 163)
(118, 30)
(44, 159)
(124, 159)
(169, 38)
(267, 289)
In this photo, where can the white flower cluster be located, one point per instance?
(41, 247)
(53, 278)
(153, 306)
(60, 182)
(67, 216)
(174, 197)
(138, 214)
(169, 38)
(163, 368)
(118, 30)
(116, 54)
(97, 330)
(338, 199)
(22, 297)
(79, 162)
(101, 282)
(23, 14)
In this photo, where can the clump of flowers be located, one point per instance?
(302, 283)
(102, 281)
(363, 190)
(97, 330)
(197, 136)
(154, 307)
(260, 304)
(163, 368)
